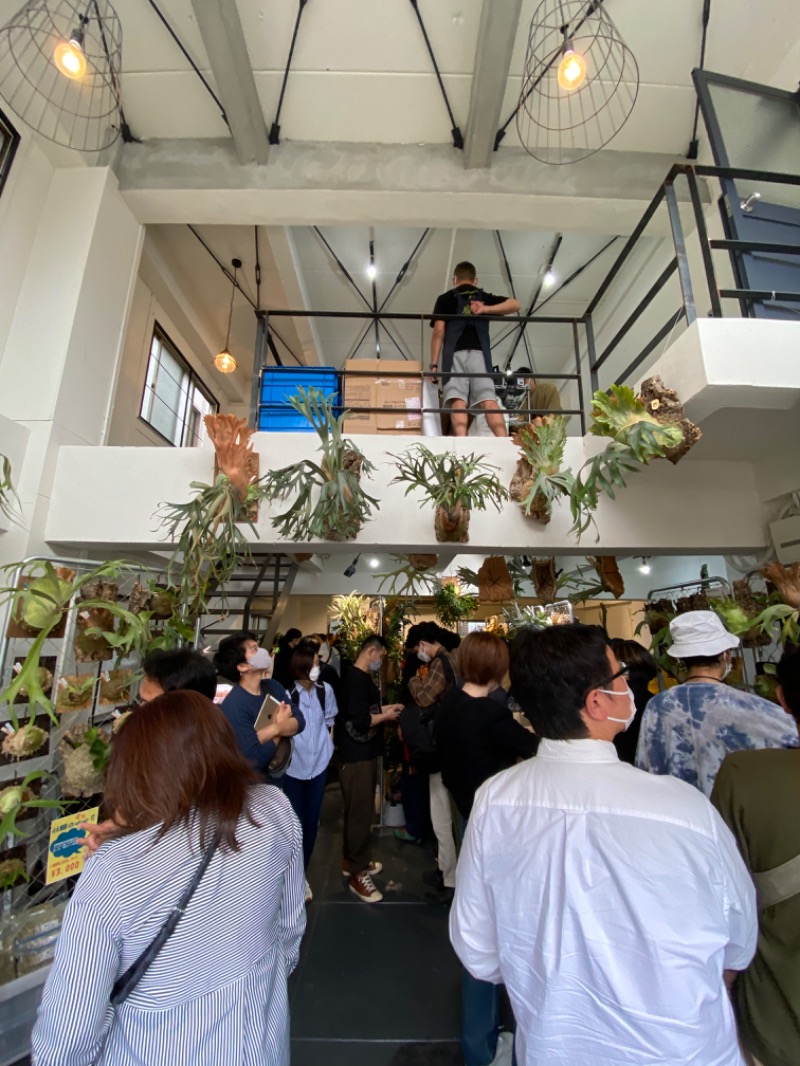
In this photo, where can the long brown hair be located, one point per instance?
(175, 757)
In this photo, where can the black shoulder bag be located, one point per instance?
(125, 984)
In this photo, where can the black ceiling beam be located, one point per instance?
(513, 290)
(547, 268)
(190, 61)
(404, 269)
(455, 132)
(275, 128)
(694, 144)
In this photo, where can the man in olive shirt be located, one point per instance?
(758, 795)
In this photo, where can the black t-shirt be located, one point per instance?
(447, 304)
(477, 737)
(361, 699)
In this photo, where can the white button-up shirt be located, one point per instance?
(608, 901)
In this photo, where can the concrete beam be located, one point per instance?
(223, 37)
(201, 181)
(496, 36)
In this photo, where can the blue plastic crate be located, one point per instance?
(279, 383)
(281, 418)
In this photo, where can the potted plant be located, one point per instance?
(328, 500)
(455, 485)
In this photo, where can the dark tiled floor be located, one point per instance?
(377, 984)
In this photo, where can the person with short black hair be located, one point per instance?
(178, 668)
(241, 660)
(281, 671)
(359, 739)
(612, 903)
(304, 781)
(758, 795)
(642, 669)
(464, 347)
(688, 730)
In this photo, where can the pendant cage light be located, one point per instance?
(579, 85)
(60, 64)
(224, 361)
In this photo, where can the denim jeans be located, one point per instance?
(306, 800)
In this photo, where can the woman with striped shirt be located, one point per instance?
(216, 992)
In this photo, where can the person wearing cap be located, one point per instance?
(688, 730)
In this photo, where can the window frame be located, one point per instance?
(9, 143)
(194, 382)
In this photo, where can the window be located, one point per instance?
(9, 142)
(174, 400)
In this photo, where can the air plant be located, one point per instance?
(539, 480)
(18, 799)
(454, 484)
(329, 502)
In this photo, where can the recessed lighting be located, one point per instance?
(549, 279)
(374, 563)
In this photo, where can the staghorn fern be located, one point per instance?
(10, 505)
(451, 605)
(449, 480)
(539, 480)
(329, 502)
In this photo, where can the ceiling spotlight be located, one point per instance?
(372, 271)
(350, 571)
(374, 563)
(572, 68)
(644, 566)
(549, 279)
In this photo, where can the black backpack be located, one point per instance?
(419, 726)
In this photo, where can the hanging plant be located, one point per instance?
(407, 579)
(9, 500)
(17, 800)
(451, 605)
(210, 543)
(642, 428)
(329, 502)
(454, 484)
(608, 571)
(539, 480)
(786, 580)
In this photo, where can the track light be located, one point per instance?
(644, 566)
(350, 571)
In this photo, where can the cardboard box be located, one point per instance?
(401, 397)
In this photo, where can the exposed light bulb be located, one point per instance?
(372, 271)
(69, 58)
(549, 279)
(571, 70)
(645, 567)
(374, 563)
(225, 363)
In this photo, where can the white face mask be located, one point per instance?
(260, 660)
(625, 721)
(423, 656)
(313, 674)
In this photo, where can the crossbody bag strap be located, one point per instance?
(125, 984)
(778, 884)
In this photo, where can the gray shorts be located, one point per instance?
(471, 390)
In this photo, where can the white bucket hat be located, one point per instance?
(699, 633)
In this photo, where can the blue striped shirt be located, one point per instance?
(313, 747)
(216, 994)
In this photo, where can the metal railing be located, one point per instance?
(588, 360)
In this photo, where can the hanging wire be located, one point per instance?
(560, 126)
(81, 113)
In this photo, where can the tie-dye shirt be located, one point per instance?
(688, 730)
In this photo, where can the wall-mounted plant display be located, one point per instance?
(9, 500)
(75, 692)
(85, 751)
(608, 571)
(328, 501)
(649, 426)
(545, 578)
(25, 742)
(786, 580)
(115, 687)
(209, 539)
(44, 675)
(12, 873)
(19, 799)
(454, 484)
(539, 479)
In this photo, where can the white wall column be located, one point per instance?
(59, 367)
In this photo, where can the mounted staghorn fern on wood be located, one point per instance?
(329, 502)
(10, 505)
(539, 479)
(455, 484)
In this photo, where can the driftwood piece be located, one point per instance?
(494, 581)
(608, 572)
(545, 579)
